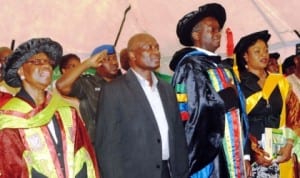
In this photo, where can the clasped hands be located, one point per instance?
(283, 155)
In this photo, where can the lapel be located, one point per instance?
(249, 80)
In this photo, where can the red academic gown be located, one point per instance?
(12, 147)
(4, 97)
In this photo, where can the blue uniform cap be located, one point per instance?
(110, 49)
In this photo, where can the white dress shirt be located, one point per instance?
(155, 102)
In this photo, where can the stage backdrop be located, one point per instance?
(80, 26)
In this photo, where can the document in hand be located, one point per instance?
(274, 140)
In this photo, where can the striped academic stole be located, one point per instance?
(182, 100)
(233, 136)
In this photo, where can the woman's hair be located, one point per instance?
(241, 61)
(65, 59)
(247, 41)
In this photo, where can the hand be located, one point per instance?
(261, 159)
(248, 168)
(259, 155)
(285, 153)
(97, 59)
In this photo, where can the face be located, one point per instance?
(146, 54)
(72, 63)
(109, 67)
(290, 70)
(297, 63)
(273, 66)
(124, 59)
(207, 34)
(257, 56)
(37, 71)
(3, 59)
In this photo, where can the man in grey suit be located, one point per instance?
(139, 132)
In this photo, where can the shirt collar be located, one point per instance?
(246, 75)
(209, 53)
(143, 81)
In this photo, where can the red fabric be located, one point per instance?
(293, 112)
(4, 97)
(82, 139)
(184, 115)
(12, 148)
(230, 44)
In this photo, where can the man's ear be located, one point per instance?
(131, 55)
(195, 36)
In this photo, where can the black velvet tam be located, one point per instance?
(247, 41)
(26, 50)
(187, 22)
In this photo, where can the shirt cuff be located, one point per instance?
(247, 158)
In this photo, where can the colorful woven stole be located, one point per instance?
(13, 119)
(232, 142)
(182, 100)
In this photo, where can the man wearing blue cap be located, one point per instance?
(87, 87)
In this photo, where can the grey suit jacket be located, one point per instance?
(128, 142)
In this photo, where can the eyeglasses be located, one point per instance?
(40, 62)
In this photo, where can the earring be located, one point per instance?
(22, 77)
(246, 66)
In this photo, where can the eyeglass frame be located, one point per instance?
(38, 62)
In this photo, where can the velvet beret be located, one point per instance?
(26, 50)
(247, 41)
(110, 49)
(187, 22)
